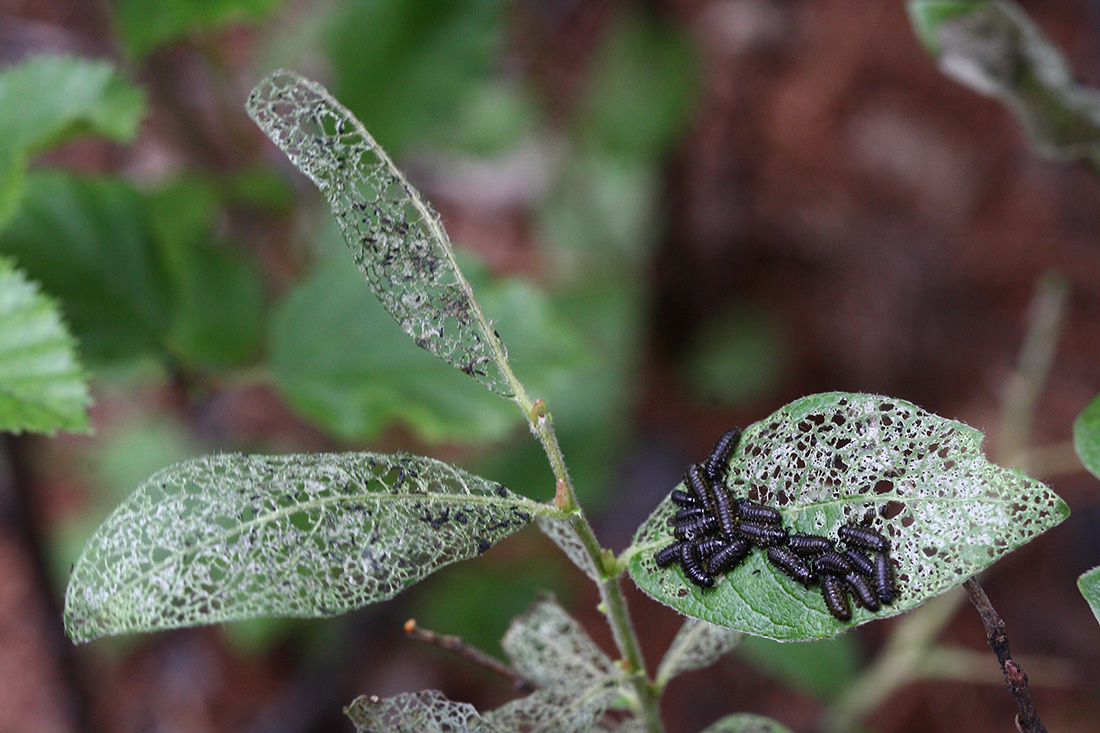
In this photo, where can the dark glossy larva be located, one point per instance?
(860, 562)
(757, 513)
(868, 539)
(861, 591)
(693, 568)
(688, 513)
(884, 579)
(694, 528)
(699, 486)
(810, 544)
(668, 555)
(831, 562)
(683, 498)
(710, 545)
(836, 599)
(718, 462)
(730, 556)
(764, 535)
(724, 510)
(791, 564)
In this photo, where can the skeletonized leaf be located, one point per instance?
(1089, 584)
(994, 48)
(416, 712)
(548, 647)
(556, 710)
(1086, 437)
(42, 385)
(697, 644)
(395, 237)
(230, 537)
(559, 531)
(837, 458)
(746, 723)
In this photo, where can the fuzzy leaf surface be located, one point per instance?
(577, 707)
(698, 644)
(746, 723)
(395, 237)
(42, 385)
(1086, 437)
(229, 537)
(837, 458)
(993, 48)
(1089, 585)
(416, 712)
(549, 647)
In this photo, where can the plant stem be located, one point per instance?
(456, 645)
(1028, 719)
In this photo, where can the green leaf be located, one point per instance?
(42, 385)
(230, 537)
(395, 237)
(1089, 584)
(135, 273)
(746, 723)
(698, 644)
(377, 376)
(837, 458)
(49, 100)
(993, 48)
(1086, 436)
(416, 712)
(145, 25)
(87, 241)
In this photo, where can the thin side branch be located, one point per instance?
(1028, 718)
(455, 645)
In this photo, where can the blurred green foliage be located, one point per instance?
(819, 668)
(146, 25)
(735, 358)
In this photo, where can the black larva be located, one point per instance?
(694, 528)
(683, 498)
(723, 508)
(700, 489)
(884, 579)
(791, 564)
(730, 556)
(718, 462)
(861, 591)
(689, 561)
(757, 513)
(810, 544)
(868, 539)
(764, 535)
(860, 562)
(836, 599)
(668, 555)
(688, 513)
(832, 563)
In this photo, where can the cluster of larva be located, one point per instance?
(714, 532)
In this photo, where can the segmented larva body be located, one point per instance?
(836, 599)
(884, 579)
(710, 545)
(688, 513)
(694, 527)
(718, 462)
(791, 564)
(764, 535)
(868, 539)
(724, 510)
(860, 562)
(693, 568)
(810, 544)
(861, 591)
(683, 499)
(730, 556)
(668, 555)
(831, 562)
(757, 513)
(700, 488)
